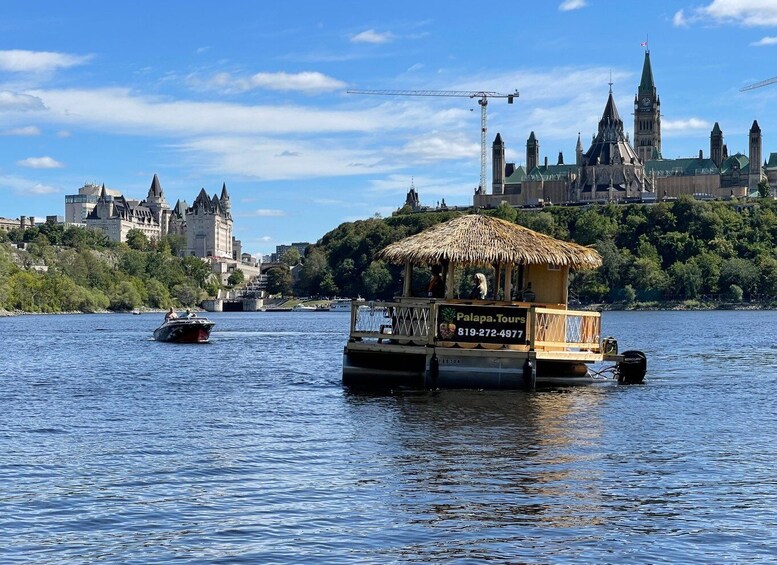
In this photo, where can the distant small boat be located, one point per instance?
(136, 312)
(302, 308)
(185, 330)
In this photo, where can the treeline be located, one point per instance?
(69, 269)
(686, 250)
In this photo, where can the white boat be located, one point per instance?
(302, 308)
(340, 305)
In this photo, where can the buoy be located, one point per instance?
(633, 368)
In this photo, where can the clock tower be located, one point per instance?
(647, 116)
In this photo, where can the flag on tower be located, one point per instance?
(643, 44)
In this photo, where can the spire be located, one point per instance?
(646, 85)
(103, 194)
(579, 143)
(156, 188)
(224, 193)
(755, 128)
(716, 129)
(531, 137)
(498, 139)
(611, 117)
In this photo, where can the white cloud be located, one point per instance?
(40, 163)
(764, 41)
(308, 82)
(750, 13)
(39, 188)
(679, 19)
(264, 213)
(569, 5)
(18, 60)
(15, 101)
(63, 133)
(689, 123)
(372, 36)
(26, 131)
(23, 186)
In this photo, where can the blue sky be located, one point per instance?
(254, 94)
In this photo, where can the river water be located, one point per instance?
(116, 448)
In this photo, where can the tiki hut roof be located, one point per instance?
(485, 240)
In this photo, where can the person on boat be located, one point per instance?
(436, 288)
(480, 289)
(170, 315)
(190, 314)
(528, 294)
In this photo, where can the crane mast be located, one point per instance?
(482, 98)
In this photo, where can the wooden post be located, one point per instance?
(449, 281)
(407, 288)
(508, 282)
(497, 279)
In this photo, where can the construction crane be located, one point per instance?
(755, 85)
(482, 98)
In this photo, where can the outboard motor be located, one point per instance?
(633, 368)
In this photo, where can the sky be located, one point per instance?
(254, 95)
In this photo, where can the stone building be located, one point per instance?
(207, 225)
(116, 216)
(78, 206)
(615, 170)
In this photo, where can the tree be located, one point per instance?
(377, 280)
(764, 190)
(505, 212)
(136, 239)
(236, 277)
(125, 297)
(279, 281)
(196, 268)
(291, 257)
(312, 273)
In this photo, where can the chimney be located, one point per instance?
(546, 161)
(701, 154)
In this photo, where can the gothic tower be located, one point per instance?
(755, 158)
(579, 151)
(647, 115)
(498, 166)
(532, 153)
(716, 145)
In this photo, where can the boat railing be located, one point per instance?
(566, 330)
(513, 325)
(400, 321)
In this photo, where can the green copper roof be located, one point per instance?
(772, 162)
(646, 85)
(742, 162)
(551, 172)
(681, 167)
(517, 177)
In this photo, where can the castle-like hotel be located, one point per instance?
(206, 225)
(612, 169)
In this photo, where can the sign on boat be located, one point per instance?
(529, 339)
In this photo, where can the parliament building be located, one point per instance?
(614, 169)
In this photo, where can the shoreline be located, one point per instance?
(652, 307)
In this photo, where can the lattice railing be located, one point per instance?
(380, 319)
(567, 329)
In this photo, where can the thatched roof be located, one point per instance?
(485, 240)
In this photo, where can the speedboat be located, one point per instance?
(185, 330)
(302, 308)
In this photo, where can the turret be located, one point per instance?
(532, 152)
(716, 145)
(755, 157)
(498, 166)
